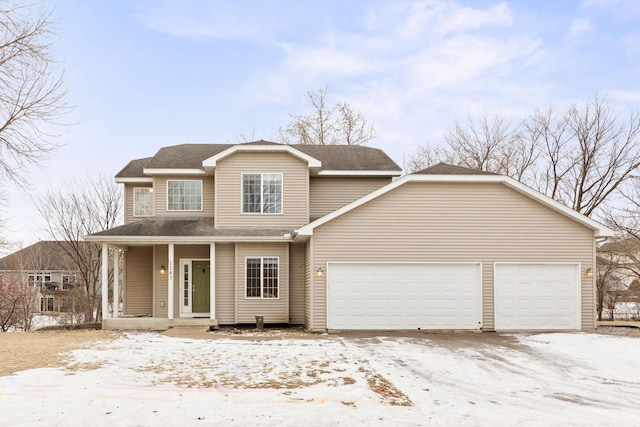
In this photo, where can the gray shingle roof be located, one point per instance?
(43, 255)
(447, 169)
(349, 157)
(333, 157)
(134, 168)
(185, 227)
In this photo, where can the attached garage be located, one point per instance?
(379, 295)
(537, 296)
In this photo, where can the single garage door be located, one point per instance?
(537, 296)
(404, 295)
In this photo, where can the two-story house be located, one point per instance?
(330, 237)
(45, 267)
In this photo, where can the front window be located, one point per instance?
(184, 195)
(142, 201)
(262, 277)
(262, 193)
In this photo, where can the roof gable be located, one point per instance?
(261, 146)
(599, 229)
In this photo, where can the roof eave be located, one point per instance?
(382, 173)
(152, 240)
(173, 171)
(134, 180)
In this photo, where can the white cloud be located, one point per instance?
(620, 9)
(413, 67)
(579, 26)
(203, 20)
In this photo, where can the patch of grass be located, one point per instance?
(386, 391)
(29, 350)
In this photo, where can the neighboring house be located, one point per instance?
(46, 267)
(620, 258)
(331, 238)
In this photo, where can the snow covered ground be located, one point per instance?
(148, 379)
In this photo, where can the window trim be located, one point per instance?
(185, 210)
(150, 191)
(246, 277)
(262, 174)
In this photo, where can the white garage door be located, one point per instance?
(537, 296)
(403, 296)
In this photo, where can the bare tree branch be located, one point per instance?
(340, 124)
(582, 156)
(75, 211)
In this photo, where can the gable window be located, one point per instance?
(184, 195)
(262, 193)
(142, 201)
(262, 277)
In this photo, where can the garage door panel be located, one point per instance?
(537, 296)
(403, 296)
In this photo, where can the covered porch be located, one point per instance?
(189, 302)
(180, 272)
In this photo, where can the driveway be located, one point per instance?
(282, 378)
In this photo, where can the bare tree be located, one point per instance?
(581, 156)
(325, 125)
(17, 299)
(32, 95)
(608, 282)
(31, 89)
(75, 211)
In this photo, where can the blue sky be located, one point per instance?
(147, 74)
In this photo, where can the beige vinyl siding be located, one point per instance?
(128, 202)
(138, 289)
(274, 310)
(225, 283)
(328, 194)
(449, 222)
(296, 283)
(295, 183)
(160, 195)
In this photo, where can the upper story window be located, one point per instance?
(143, 201)
(39, 277)
(184, 195)
(262, 193)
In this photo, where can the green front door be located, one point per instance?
(201, 291)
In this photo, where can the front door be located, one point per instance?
(201, 291)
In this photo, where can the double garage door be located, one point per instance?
(449, 296)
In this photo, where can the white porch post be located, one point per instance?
(105, 281)
(170, 284)
(212, 281)
(116, 283)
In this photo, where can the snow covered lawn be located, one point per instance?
(148, 379)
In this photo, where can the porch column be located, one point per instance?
(212, 281)
(170, 283)
(116, 283)
(104, 289)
